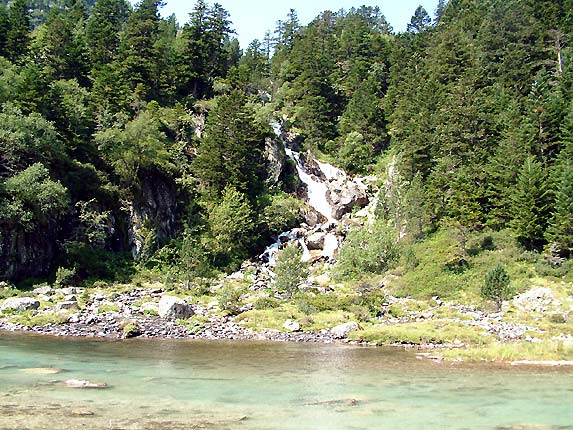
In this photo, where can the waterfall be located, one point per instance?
(331, 185)
(317, 191)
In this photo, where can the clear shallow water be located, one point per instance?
(249, 385)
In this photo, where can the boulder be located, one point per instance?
(291, 325)
(342, 330)
(344, 199)
(45, 290)
(171, 307)
(315, 241)
(67, 305)
(20, 304)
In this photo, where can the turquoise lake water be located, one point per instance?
(159, 384)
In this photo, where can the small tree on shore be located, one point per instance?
(496, 286)
(291, 271)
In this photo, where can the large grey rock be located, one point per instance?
(171, 307)
(67, 305)
(291, 325)
(45, 290)
(345, 198)
(342, 330)
(20, 304)
(315, 240)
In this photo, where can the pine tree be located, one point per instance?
(230, 153)
(496, 286)
(139, 52)
(420, 21)
(529, 204)
(4, 28)
(107, 19)
(18, 33)
(561, 225)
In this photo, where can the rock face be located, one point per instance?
(342, 330)
(20, 304)
(27, 254)
(276, 158)
(171, 307)
(153, 213)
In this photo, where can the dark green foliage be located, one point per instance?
(17, 36)
(474, 110)
(561, 227)
(231, 151)
(106, 20)
(290, 270)
(4, 28)
(529, 204)
(496, 286)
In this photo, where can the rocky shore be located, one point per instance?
(145, 313)
(156, 313)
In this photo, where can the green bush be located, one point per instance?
(282, 213)
(66, 277)
(266, 303)
(496, 286)
(230, 296)
(290, 270)
(370, 249)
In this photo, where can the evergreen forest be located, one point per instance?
(135, 145)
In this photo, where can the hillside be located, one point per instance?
(135, 150)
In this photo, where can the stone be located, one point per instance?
(345, 198)
(291, 325)
(171, 307)
(342, 330)
(66, 305)
(315, 241)
(42, 370)
(67, 291)
(149, 307)
(77, 383)
(20, 304)
(534, 300)
(45, 290)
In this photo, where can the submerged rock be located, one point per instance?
(41, 370)
(80, 383)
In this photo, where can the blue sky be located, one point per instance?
(251, 18)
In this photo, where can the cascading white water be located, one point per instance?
(317, 198)
(317, 191)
